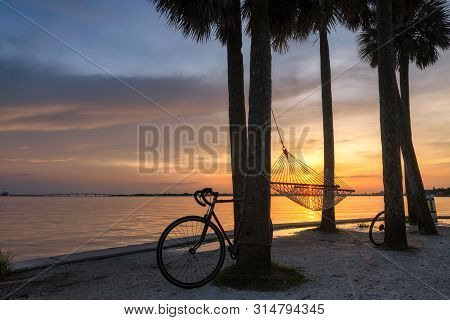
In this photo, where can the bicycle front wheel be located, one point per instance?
(376, 231)
(189, 253)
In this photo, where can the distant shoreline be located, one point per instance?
(100, 195)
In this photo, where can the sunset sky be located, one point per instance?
(68, 121)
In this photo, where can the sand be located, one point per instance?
(341, 266)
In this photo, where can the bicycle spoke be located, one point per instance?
(181, 262)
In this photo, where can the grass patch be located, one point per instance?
(6, 264)
(362, 225)
(282, 278)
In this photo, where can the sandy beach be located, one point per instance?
(340, 266)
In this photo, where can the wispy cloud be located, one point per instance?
(55, 99)
(38, 160)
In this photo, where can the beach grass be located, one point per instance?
(6, 264)
(282, 278)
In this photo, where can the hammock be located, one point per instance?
(294, 179)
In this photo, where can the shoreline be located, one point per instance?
(343, 265)
(93, 195)
(82, 256)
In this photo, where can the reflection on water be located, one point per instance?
(44, 226)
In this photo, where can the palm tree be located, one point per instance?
(419, 44)
(422, 28)
(320, 17)
(197, 20)
(254, 259)
(395, 235)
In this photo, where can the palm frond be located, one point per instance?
(283, 15)
(354, 14)
(199, 19)
(368, 47)
(422, 29)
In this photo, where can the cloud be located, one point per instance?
(286, 87)
(361, 176)
(63, 107)
(37, 160)
(37, 97)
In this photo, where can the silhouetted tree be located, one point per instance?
(421, 29)
(198, 20)
(395, 234)
(298, 20)
(254, 258)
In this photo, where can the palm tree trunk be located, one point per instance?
(404, 92)
(418, 209)
(395, 234)
(328, 222)
(254, 258)
(236, 113)
(415, 184)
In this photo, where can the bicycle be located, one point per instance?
(191, 250)
(376, 231)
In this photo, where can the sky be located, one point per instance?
(77, 78)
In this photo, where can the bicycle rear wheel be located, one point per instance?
(376, 231)
(187, 256)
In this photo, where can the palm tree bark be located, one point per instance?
(254, 258)
(328, 222)
(404, 92)
(395, 234)
(414, 178)
(236, 113)
(418, 209)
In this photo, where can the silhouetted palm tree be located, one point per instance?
(421, 29)
(319, 17)
(254, 258)
(395, 234)
(198, 20)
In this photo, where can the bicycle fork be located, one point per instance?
(203, 236)
(232, 247)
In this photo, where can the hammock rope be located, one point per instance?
(294, 179)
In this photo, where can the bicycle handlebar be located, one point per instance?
(200, 197)
(206, 192)
(197, 198)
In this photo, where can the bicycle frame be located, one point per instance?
(210, 213)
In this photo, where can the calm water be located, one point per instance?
(44, 226)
